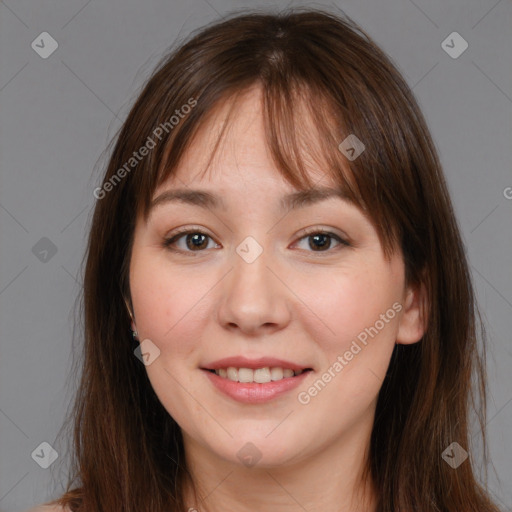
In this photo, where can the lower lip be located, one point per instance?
(253, 392)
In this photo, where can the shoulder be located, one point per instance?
(48, 508)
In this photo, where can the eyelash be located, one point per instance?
(169, 242)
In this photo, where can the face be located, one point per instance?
(277, 287)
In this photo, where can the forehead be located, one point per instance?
(231, 138)
(231, 146)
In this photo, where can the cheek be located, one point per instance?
(169, 312)
(355, 342)
(168, 304)
(350, 301)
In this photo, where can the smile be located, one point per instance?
(251, 391)
(259, 375)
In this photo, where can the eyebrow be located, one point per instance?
(207, 200)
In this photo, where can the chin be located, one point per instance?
(258, 451)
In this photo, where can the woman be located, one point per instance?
(275, 227)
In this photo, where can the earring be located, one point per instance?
(135, 334)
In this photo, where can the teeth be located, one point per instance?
(245, 375)
(232, 374)
(287, 373)
(276, 373)
(260, 375)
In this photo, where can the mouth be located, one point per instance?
(256, 375)
(255, 380)
(255, 385)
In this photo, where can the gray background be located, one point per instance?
(59, 113)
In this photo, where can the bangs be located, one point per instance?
(304, 128)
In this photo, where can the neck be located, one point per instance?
(330, 479)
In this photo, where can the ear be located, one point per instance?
(131, 316)
(412, 324)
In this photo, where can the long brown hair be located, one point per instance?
(322, 78)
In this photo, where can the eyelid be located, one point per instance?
(187, 229)
(175, 235)
(318, 229)
(342, 239)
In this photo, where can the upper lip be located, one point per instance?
(262, 362)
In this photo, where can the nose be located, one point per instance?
(254, 297)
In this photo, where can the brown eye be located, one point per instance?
(195, 241)
(321, 241)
